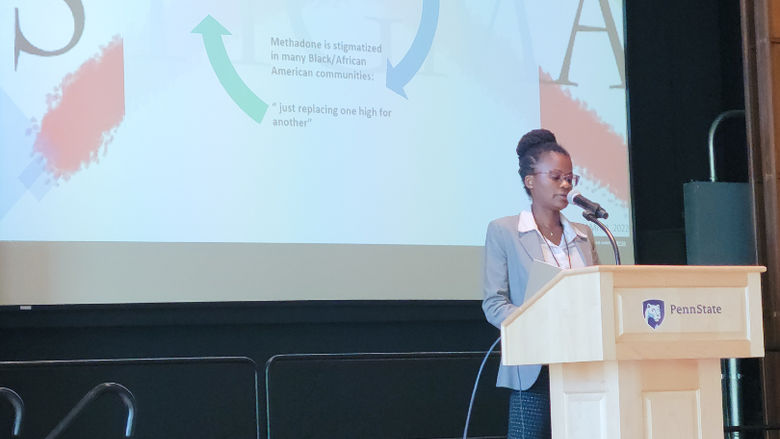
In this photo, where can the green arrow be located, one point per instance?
(212, 33)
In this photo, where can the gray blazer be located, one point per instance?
(508, 257)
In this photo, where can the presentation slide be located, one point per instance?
(290, 150)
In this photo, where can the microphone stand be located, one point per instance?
(591, 216)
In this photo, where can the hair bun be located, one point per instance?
(534, 138)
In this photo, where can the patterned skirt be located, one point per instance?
(529, 410)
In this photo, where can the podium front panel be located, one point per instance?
(715, 319)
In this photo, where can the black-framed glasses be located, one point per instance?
(558, 177)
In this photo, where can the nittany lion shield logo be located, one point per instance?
(653, 312)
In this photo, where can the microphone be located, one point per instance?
(575, 197)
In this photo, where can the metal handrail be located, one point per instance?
(358, 356)
(711, 137)
(124, 394)
(18, 405)
(146, 360)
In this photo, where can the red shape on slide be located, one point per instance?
(83, 113)
(593, 144)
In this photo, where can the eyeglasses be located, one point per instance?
(558, 177)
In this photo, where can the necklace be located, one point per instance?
(551, 232)
(549, 247)
(566, 244)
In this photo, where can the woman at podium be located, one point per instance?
(512, 243)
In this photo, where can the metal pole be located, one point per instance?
(591, 216)
(735, 390)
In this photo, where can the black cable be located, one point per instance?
(476, 383)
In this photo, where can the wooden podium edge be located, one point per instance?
(636, 268)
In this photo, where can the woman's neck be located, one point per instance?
(549, 219)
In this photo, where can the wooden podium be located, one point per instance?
(634, 351)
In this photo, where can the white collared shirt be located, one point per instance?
(564, 254)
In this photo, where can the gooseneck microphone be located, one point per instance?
(576, 198)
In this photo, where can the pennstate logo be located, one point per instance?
(653, 312)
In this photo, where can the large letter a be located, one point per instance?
(614, 40)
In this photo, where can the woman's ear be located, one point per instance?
(528, 181)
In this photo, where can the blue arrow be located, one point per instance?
(404, 71)
(16, 149)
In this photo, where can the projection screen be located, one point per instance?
(191, 151)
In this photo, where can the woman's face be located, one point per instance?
(547, 185)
